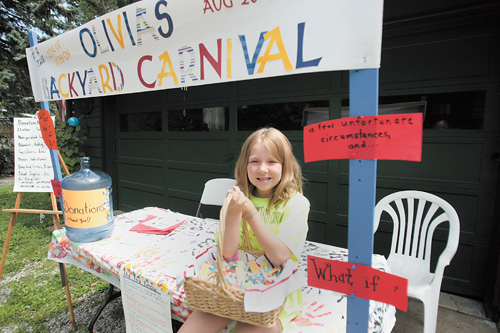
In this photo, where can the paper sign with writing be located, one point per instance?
(47, 128)
(358, 281)
(86, 209)
(387, 137)
(56, 186)
(32, 167)
(145, 304)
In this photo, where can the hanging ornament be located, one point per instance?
(73, 121)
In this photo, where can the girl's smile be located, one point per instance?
(264, 170)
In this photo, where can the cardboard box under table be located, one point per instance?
(158, 258)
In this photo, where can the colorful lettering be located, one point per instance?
(143, 26)
(53, 88)
(166, 61)
(215, 64)
(92, 82)
(105, 80)
(275, 38)
(208, 6)
(82, 82)
(97, 41)
(125, 18)
(45, 87)
(94, 52)
(229, 58)
(161, 16)
(59, 85)
(70, 84)
(300, 46)
(251, 64)
(182, 63)
(122, 82)
(107, 36)
(139, 72)
(119, 35)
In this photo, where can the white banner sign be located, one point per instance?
(164, 44)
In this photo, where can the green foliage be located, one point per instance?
(6, 156)
(32, 294)
(90, 9)
(69, 142)
(16, 19)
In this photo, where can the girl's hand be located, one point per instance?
(235, 210)
(240, 203)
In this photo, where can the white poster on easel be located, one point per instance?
(145, 305)
(33, 170)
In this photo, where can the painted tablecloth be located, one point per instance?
(157, 259)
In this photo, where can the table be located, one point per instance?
(159, 257)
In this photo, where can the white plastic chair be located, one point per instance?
(416, 215)
(215, 192)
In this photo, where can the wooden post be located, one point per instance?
(12, 223)
(55, 218)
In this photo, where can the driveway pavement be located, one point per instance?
(6, 181)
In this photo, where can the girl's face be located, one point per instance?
(263, 169)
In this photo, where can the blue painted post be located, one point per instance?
(363, 92)
(54, 157)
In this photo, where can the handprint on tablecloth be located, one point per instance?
(309, 313)
(57, 251)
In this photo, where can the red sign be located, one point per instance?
(387, 137)
(47, 128)
(56, 187)
(358, 281)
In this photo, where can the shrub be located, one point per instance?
(6, 156)
(69, 142)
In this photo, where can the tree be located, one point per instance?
(16, 19)
(49, 18)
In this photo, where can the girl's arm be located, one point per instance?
(275, 249)
(235, 213)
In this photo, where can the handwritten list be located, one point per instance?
(145, 305)
(33, 167)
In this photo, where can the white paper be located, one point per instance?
(32, 167)
(163, 222)
(146, 306)
(261, 298)
(141, 240)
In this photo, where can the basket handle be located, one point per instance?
(221, 282)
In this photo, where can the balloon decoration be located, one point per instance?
(73, 121)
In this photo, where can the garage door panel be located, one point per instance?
(140, 148)
(205, 151)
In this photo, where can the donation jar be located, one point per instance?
(87, 204)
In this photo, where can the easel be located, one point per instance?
(57, 225)
(13, 218)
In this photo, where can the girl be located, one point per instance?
(269, 196)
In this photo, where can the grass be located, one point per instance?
(31, 293)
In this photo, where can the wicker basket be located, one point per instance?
(222, 299)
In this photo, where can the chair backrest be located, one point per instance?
(215, 192)
(416, 215)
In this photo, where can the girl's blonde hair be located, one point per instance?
(279, 146)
